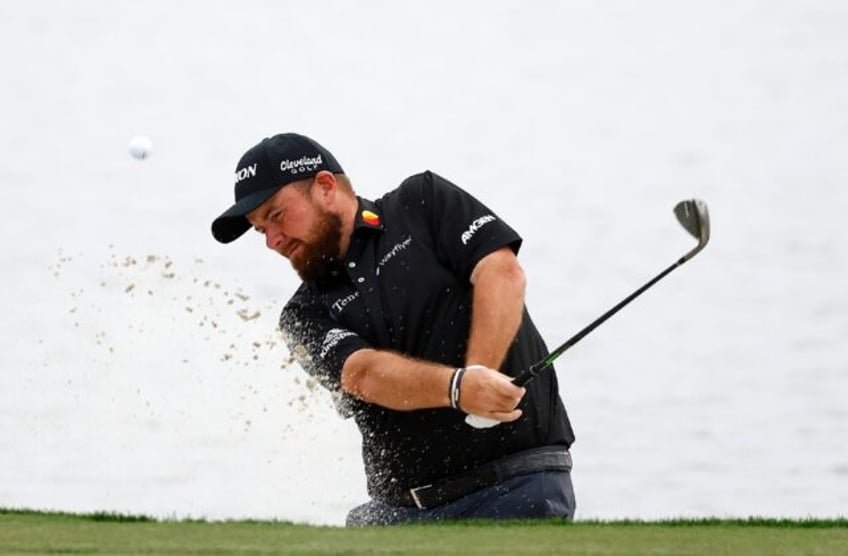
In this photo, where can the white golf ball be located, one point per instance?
(140, 147)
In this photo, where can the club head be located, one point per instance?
(695, 218)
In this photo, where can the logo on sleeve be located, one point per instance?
(476, 225)
(332, 339)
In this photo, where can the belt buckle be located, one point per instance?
(414, 493)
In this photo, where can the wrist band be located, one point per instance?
(452, 388)
(456, 379)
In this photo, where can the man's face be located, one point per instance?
(297, 226)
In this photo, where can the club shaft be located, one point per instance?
(535, 369)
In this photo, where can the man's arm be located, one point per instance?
(395, 381)
(497, 307)
(402, 383)
(496, 313)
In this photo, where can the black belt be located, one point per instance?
(547, 458)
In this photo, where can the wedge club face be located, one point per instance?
(694, 216)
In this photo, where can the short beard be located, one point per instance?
(320, 255)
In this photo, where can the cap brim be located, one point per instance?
(233, 223)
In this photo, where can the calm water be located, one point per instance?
(140, 371)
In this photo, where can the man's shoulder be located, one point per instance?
(304, 295)
(417, 185)
(411, 183)
(302, 308)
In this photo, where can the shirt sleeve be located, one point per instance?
(319, 344)
(464, 229)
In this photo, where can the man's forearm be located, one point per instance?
(394, 381)
(402, 383)
(497, 310)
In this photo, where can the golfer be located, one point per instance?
(411, 312)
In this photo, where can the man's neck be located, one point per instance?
(348, 217)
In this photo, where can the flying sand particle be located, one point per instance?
(246, 315)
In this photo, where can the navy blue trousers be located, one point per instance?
(546, 494)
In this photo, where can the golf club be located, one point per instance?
(695, 219)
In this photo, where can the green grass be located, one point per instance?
(27, 532)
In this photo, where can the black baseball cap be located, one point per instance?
(276, 161)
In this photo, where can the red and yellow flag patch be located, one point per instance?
(370, 218)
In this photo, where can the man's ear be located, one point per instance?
(326, 187)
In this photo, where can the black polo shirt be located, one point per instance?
(404, 286)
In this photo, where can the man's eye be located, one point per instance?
(275, 216)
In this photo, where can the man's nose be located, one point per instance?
(273, 238)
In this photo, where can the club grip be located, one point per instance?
(528, 375)
(523, 378)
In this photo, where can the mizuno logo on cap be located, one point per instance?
(246, 172)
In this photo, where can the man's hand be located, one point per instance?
(487, 393)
